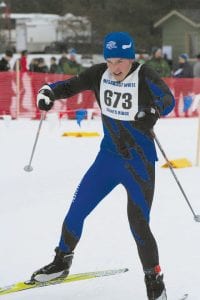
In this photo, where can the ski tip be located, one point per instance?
(30, 282)
(126, 269)
(185, 296)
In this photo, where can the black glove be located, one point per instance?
(145, 119)
(45, 98)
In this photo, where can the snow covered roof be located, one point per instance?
(34, 16)
(70, 16)
(190, 16)
(38, 18)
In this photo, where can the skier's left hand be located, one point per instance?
(145, 119)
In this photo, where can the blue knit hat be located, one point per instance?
(119, 45)
(184, 56)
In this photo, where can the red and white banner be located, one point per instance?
(18, 96)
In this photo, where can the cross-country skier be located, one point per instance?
(131, 97)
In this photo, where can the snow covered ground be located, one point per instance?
(34, 204)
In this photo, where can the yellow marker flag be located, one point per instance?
(178, 163)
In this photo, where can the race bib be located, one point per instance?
(119, 99)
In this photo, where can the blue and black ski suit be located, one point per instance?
(127, 153)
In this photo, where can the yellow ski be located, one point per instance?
(27, 285)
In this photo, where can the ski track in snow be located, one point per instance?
(33, 205)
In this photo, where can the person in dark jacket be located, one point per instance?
(5, 61)
(185, 69)
(131, 97)
(196, 67)
(53, 65)
(42, 66)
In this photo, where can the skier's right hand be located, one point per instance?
(45, 98)
(146, 118)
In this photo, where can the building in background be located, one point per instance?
(36, 32)
(180, 32)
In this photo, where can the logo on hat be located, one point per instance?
(126, 46)
(111, 45)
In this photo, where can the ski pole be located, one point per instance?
(29, 168)
(196, 217)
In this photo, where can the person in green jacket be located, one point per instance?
(70, 66)
(159, 64)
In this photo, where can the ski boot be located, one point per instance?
(155, 285)
(57, 269)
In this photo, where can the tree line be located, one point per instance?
(134, 16)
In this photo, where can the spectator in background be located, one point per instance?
(184, 89)
(71, 66)
(22, 61)
(168, 60)
(184, 69)
(42, 67)
(53, 65)
(6, 84)
(24, 86)
(33, 65)
(141, 59)
(158, 63)
(39, 65)
(62, 61)
(196, 68)
(5, 61)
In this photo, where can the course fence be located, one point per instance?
(18, 96)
